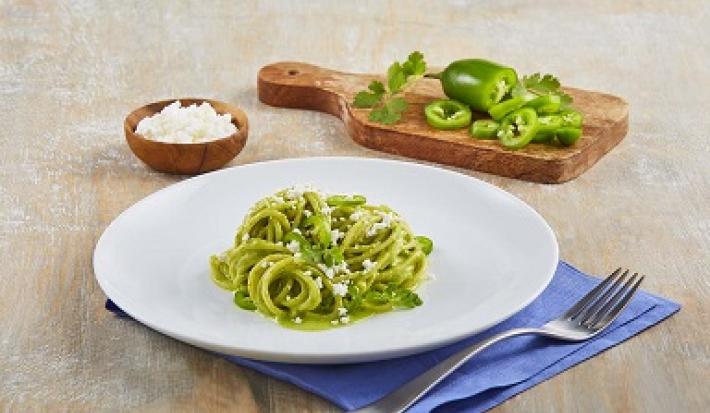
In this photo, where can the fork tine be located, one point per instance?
(582, 303)
(592, 318)
(594, 307)
(619, 307)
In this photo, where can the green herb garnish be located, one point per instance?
(542, 85)
(386, 102)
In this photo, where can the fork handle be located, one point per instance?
(405, 396)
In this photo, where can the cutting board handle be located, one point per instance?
(301, 86)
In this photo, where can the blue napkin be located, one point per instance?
(490, 378)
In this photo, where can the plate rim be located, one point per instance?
(308, 358)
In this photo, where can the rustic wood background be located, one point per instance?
(70, 72)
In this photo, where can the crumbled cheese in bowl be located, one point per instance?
(186, 124)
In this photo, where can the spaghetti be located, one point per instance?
(312, 261)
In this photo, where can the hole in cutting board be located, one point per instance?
(292, 72)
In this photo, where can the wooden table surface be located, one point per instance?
(70, 72)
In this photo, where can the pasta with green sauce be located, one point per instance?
(313, 262)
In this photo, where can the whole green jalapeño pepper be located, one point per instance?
(476, 82)
(518, 128)
(447, 114)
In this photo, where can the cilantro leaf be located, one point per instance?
(397, 105)
(538, 84)
(311, 254)
(530, 80)
(355, 301)
(395, 78)
(366, 99)
(376, 115)
(377, 87)
(333, 256)
(519, 90)
(415, 65)
(386, 103)
(549, 83)
(541, 84)
(384, 115)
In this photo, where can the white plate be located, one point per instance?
(493, 255)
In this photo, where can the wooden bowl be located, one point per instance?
(186, 158)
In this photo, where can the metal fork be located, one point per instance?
(584, 320)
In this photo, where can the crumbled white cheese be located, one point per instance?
(297, 191)
(297, 255)
(340, 289)
(359, 213)
(342, 311)
(188, 124)
(297, 320)
(245, 237)
(319, 282)
(335, 235)
(294, 193)
(327, 210)
(344, 320)
(369, 265)
(293, 246)
(307, 213)
(265, 264)
(307, 272)
(386, 222)
(329, 272)
(296, 231)
(342, 267)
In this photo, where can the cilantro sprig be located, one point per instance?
(541, 85)
(386, 102)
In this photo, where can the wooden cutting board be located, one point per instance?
(304, 86)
